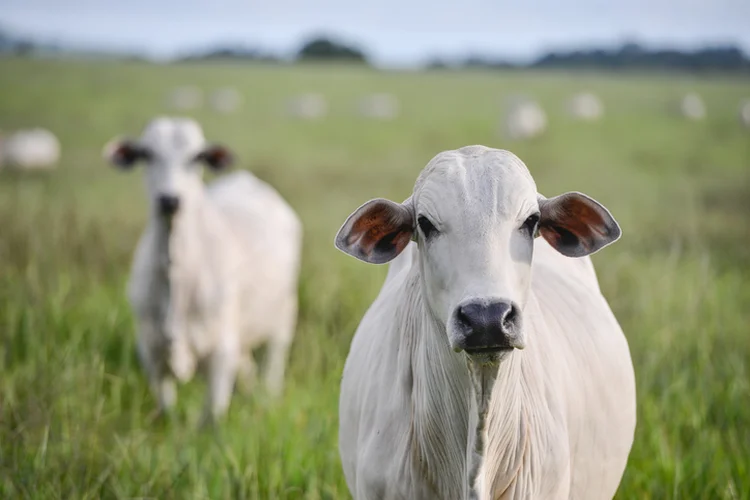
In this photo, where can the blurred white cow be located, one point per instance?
(524, 119)
(185, 98)
(378, 106)
(31, 149)
(745, 113)
(225, 100)
(585, 106)
(692, 107)
(309, 106)
(490, 366)
(215, 273)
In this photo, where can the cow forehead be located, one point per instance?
(475, 179)
(173, 136)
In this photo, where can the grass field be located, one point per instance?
(74, 405)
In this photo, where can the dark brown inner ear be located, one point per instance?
(576, 225)
(128, 153)
(377, 231)
(560, 237)
(380, 231)
(216, 157)
(572, 221)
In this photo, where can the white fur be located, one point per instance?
(420, 421)
(216, 282)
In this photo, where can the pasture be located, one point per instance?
(75, 407)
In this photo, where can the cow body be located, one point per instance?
(222, 267)
(554, 420)
(215, 272)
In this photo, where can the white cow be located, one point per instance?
(215, 273)
(473, 375)
(309, 106)
(381, 106)
(745, 113)
(226, 100)
(585, 106)
(692, 107)
(185, 98)
(524, 119)
(30, 149)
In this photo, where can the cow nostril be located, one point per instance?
(461, 316)
(467, 314)
(509, 317)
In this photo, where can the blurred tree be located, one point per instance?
(10, 43)
(233, 53)
(632, 56)
(325, 49)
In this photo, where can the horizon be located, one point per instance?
(391, 34)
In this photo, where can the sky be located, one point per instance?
(393, 32)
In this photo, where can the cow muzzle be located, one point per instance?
(486, 326)
(168, 205)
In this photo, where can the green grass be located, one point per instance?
(74, 405)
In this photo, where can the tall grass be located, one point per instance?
(75, 408)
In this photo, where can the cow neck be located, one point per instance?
(180, 239)
(454, 404)
(500, 432)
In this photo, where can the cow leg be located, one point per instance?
(222, 365)
(161, 381)
(278, 354)
(247, 373)
(278, 350)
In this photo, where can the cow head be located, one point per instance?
(174, 151)
(474, 214)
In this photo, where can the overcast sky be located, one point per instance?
(392, 31)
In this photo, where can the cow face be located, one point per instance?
(474, 214)
(174, 151)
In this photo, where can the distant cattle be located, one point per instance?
(309, 106)
(524, 119)
(225, 100)
(215, 273)
(490, 366)
(692, 107)
(745, 113)
(378, 106)
(30, 149)
(585, 106)
(185, 98)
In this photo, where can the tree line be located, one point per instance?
(628, 56)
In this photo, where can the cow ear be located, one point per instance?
(576, 225)
(216, 157)
(125, 153)
(377, 231)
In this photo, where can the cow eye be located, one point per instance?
(428, 229)
(530, 224)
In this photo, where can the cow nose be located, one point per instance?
(489, 325)
(168, 204)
